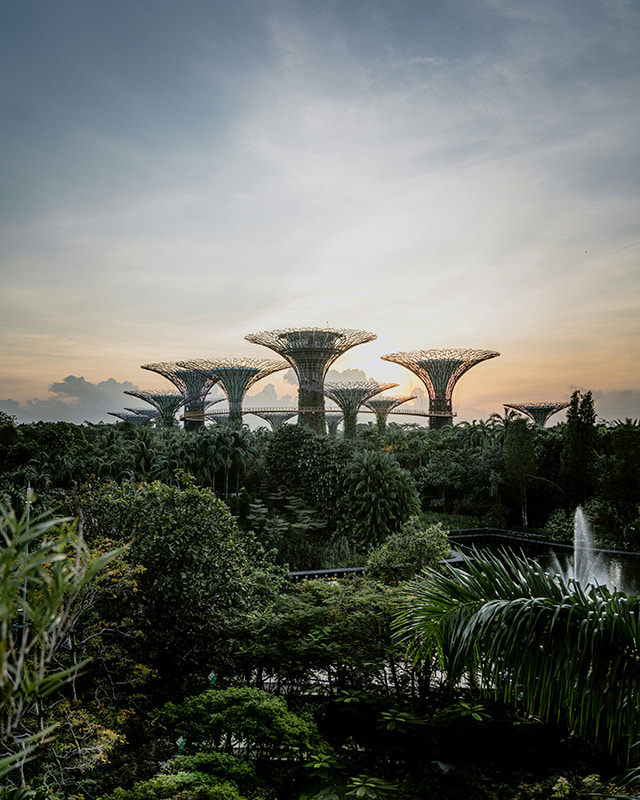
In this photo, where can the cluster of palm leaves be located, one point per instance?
(563, 651)
(217, 453)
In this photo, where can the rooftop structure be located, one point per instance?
(236, 376)
(166, 403)
(273, 417)
(311, 351)
(440, 370)
(538, 412)
(350, 395)
(194, 387)
(382, 407)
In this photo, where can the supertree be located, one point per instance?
(149, 414)
(166, 403)
(236, 376)
(440, 370)
(194, 387)
(349, 396)
(311, 351)
(538, 412)
(135, 419)
(333, 419)
(382, 407)
(274, 418)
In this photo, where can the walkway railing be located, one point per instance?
(459, 538)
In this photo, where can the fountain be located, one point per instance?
(587, 565)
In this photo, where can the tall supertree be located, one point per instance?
(333, 419)
(311, 351)
(236, 376)
(194, 387)
(382, 407)
(166, 403)
(538, 412)
(440, 370)
(274, 418)
(349, 396)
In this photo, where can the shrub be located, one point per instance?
(409, 551)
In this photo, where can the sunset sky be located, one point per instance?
(177, 174)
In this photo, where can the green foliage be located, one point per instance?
(567, 652)
(621, 483)
(409, 551)
(379, 496)
(196, 578)
(339, 629)
(178, 786)
(368, 787)
(223, 766)
(519, 461)
(310, 467)
(45, 569)
(255, 724)
(578, 458)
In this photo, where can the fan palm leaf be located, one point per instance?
(569, 653)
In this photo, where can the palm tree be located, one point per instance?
(569, 652)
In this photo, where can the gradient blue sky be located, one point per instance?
(179, 173)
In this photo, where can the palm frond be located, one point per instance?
(571, 652)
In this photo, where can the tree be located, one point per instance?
(197, 578)
(578, 458)
(566, 652)
(519, 461)
(379, 496)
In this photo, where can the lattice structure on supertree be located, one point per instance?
(311, 351)
(382, 407)
(274, 418)
(538, 412)
(440, 370)
(194, 387)
(236, 376)
(349, 396)
(134, 419)
(333, 419)
(166, 403)
(149, 414)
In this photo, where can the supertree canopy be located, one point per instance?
(236, 376)
(194, 386)
(274, 418)
(440, 370)
(167, 403)
(349, 396)
(134, 419)
(382, 407)
(148, 414)
(311, 351)
(538, 412)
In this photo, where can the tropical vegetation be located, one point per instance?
(157, 642)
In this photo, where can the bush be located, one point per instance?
(257, 724)
(178, 786)
(409, 551)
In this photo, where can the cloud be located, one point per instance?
(73, 399)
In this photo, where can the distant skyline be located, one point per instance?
(178, 174)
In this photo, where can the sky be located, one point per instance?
(177, 174)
